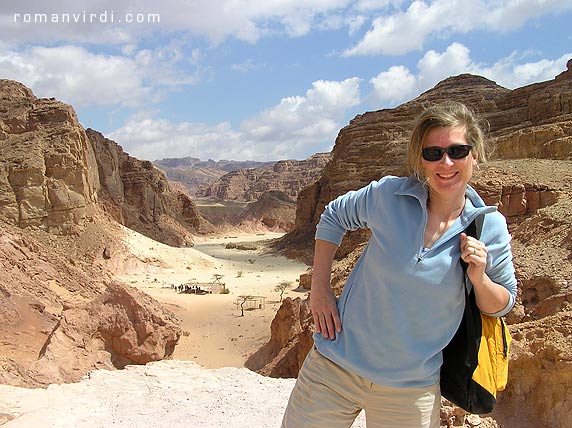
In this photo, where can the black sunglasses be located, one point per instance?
(458, 151)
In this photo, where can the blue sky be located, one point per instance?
(265, 79)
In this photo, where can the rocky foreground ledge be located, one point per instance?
(160, 394)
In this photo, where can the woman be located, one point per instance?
(379, 347)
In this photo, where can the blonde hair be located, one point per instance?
(447, 114)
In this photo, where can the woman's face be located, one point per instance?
(448, 177)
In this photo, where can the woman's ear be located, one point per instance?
(476, 162)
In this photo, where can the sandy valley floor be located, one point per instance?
(215, 334)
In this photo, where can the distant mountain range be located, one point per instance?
(243, 180)
(196, 174)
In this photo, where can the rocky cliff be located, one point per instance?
(288, 176)
(273, 209)
(528, 179)
(61, 315)
(197, 175)
(48, 172)
(533, 121)
(53, 175)
(139, 196)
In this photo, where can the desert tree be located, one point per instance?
(282, 287)
(244, 300)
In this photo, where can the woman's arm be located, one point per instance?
(490, 296)
(322, 299)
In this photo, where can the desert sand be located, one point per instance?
(215, 334)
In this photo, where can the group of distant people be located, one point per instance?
(186, 288)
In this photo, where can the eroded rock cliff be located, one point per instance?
(139, 196)
(61, 315)
(48, 172)
(53, 174)
(273, 209)
(287, 176)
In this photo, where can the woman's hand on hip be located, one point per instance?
(325, 311)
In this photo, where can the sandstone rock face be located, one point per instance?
(138, 195)
(291, 340)
(528, 179)
(56, 298)
(538, 394)
(288, 176)
(61, 316)
(274, 209)
(529, 122)
(48, 173)
(52, 175)
(197, 175)
(122, 326)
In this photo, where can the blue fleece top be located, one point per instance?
(400, 305)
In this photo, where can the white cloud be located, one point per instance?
(247, 20)
(401, 32)
(514, 13)
(391, 86)
(435, 66)
(151, 139)
(398, 84)
(246, 66)
(393, 30)
(296, 127)
(82, 78)
(355, 23)
(370, 5)
(301, 121)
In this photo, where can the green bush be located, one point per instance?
(240, 246)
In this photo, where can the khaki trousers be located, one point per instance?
(328, 396)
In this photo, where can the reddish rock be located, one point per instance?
(290, 341)
(48, 173)
(56, 298)
(273, 209)
(139, 196)
(122, 326)
(287, 176)
(61, 316)
(306, 280)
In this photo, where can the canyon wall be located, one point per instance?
(138, 195)
(60, 189)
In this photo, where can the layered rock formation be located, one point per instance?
(273, 209)
(289, 335)
(62, 316)
(288, 176)
(527, 122)
(139, 196)
(529, 180)
(52, 173)
(48, 173)
(197, 175)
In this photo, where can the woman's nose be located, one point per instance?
(446, 160)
